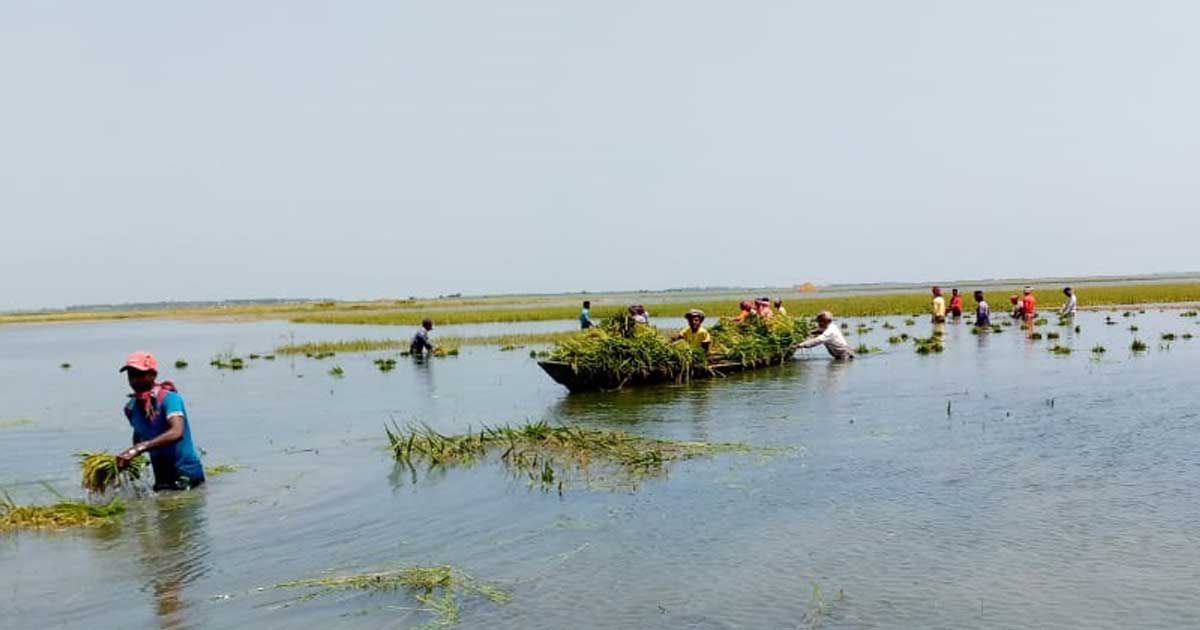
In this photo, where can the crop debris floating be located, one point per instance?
(440, 589)
(552, 456)
(64, 514)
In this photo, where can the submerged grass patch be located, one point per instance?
(1138, 345)
(220, 469)
(64, 514)
(100, 471)
(1060, 349)
(549, 454)
(438, 589)
(928, 345)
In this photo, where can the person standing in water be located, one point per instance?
(585, 316)
(830, 336)
(420, 341)
(160, 425)
(1069, 307)
(956, 304)
(1028, 304)
(983, 314)
(939, 306)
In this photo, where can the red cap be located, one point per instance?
(142, 361)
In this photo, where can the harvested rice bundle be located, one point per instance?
(100, 471)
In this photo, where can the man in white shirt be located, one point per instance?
(830, 336)
(1068, 308)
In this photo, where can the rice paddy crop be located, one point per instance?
(374, 345)
(1098, 349)
(439, 589)
(545, 452)
(1051, 335)
(1133, 329)
(61, 515)
(65, 366)
(100, 471)
(1168, 336)
(895, 339)
(1186, 335)
(619, 349)
(320, 355)
(1060, 349)
(1138, 345)
(1036, 336)
(180, 364)
(385, 365)
(227, 361)
(1041, 321)
(220, 469)
(929, 345)
(337, 371)
(1189, 314)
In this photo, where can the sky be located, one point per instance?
(211, 150)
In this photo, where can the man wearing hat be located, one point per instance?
(695, 334)
(830, 336)
(160, 427)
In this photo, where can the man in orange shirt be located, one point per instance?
(1029, 303)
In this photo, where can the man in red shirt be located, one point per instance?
(1029, 303)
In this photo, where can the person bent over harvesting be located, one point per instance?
(160, 427)
(695, 334)
(829, 335)
(420, 341)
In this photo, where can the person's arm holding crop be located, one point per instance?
(813, 342)
(173, 434)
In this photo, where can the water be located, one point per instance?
(1011, 511)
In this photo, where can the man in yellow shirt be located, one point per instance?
(939, 306)
(695, 334)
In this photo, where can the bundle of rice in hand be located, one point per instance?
(100, 471)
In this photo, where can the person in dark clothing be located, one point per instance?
(585, 316)
(420, 341)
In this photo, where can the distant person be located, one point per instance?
(956, 304)
(779, 308)
(746, 309)
(939, 306)
(1018, 307)
(829, 335)
(160, 427)
(1069, 307)
(983, 314)
(585, 316)
(420, 341)
(762, 308)
(639, 314)
(1028, 304)
(695, 333)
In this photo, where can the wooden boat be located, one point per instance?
(564, 374)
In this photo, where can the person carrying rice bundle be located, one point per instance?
(694, 334)
(746, 309)
(160, 425)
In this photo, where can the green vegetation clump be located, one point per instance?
(320, 355)
(180, 364)
(100, 471)
(439, 590)
(620, 349)
(385, 365)
(1059, 349)
(545, 452)
(1168, 336)
(1189, 314)
(996, 328)
(1051, 335)
(1036, 336)
(1187, 335)
(1138, 345)
(1098, 349)
(1041, 321)
(65, 366)
(929, 345)
(337, 371)
(895, 339)
(64, 514)
(220, 469)
(1133, 329)
(227, 361)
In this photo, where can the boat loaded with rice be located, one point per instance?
(621, 353)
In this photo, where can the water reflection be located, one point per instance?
(172, 550)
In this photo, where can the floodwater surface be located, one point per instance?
(995, 485)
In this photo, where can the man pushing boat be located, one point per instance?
(695, 334)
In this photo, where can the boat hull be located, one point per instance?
(566, 375)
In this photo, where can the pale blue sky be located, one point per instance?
(369, 149)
